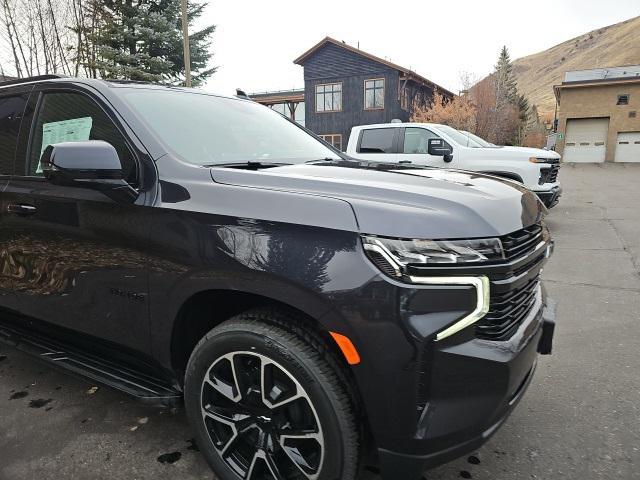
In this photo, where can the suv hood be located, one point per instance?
(406, 203)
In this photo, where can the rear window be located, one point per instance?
(377, 140)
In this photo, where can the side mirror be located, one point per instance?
(440, 148)
(92, 164)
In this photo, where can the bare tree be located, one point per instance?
(457, 112)
(36, 36)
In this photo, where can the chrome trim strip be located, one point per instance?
(481, 284)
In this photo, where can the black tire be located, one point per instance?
(290, 361)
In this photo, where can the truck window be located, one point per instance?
(11, 109)
(68, 117)
(416, 140)
(377, 140)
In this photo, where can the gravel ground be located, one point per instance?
(580, 418)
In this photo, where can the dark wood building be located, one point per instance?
(345, 87)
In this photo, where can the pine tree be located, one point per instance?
(506, 85)
(142, 40)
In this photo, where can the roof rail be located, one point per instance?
(18, 81)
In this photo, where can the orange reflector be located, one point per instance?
(348, 349)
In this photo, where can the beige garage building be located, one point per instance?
(599, 115)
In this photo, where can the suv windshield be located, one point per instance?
(459, 137)
(206, 129)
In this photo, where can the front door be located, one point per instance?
(413, 148)
(78, 257)
(12, 108)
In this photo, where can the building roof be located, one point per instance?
(280, 96)
(607, 73)
(595, 77)
(409, 74)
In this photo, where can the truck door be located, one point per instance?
(413, 148)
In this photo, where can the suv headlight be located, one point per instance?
(432, 252)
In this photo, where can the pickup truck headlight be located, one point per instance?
(542, 160)
(432, 252)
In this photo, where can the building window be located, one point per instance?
(285, 109)
(374, 94)
(334, 139)
(632, 114)
(329, 97)
(404, 98)
(623, 99)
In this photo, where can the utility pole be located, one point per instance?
(185, 40)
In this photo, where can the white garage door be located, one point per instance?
(586, 140)
(628, 147)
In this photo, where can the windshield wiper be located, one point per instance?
(325, 159)
(249, 165)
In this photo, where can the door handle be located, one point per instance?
(21, 209)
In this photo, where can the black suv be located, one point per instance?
(317, 314)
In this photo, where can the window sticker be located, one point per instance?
(73, 130)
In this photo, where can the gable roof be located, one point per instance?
(410, 74)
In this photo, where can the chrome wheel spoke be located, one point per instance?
(273, 467)
(304, 450)
(277, 386)
(223, 379)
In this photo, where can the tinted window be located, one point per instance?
(68, 117)
(210, 130)
(377, 140)
(416, 140)
(11, 109)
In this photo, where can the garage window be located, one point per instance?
(623, 99)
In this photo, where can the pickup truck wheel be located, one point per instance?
(266, 402)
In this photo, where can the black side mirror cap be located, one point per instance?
(92, 164)
(440, 148)
(90, 160)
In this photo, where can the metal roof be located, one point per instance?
(608, 73)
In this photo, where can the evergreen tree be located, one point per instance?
(524, 117)
(506, 85)
(142, 40)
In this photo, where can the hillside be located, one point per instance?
(617, 44)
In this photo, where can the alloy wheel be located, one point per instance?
(260, 419)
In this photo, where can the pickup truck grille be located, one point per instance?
(507, 311)
(521, 242)
(549, 175)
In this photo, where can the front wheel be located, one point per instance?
(268, 402)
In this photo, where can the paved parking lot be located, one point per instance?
(579, 420)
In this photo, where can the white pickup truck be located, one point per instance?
(441, 146)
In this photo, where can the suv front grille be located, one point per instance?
(521, 242)
(507, 311)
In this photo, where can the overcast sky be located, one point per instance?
(256, 41)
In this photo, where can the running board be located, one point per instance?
(143, 387)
